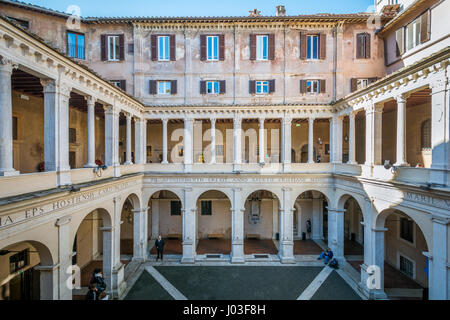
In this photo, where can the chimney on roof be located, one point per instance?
(255, 13)
(281, 11)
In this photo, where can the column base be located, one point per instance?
(311, 162)
(90, 165)
(237, 260)
(286, 167)
(117, 171)
(128, 163)
(188, 168)
(287, 260)
(188, 260)
(401, 164)
(63, 178)
(237, 167)
(352, 162)
(9, 173)
(165, 162)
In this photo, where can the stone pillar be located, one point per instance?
(118, 283)
(140, 234)
(189, 212)
(439, 280)
(286, 143)
(336, 134)
(188, 144)
(237, 228)
(237, 143)
(108, 252)
(352, 139)
(64, 257)
(6, 125)
(90, 132)
(440, 132)
(112, 139)
(48, 281)
(213, 140)
(56, 129)
(374, 119)
(317, 229)
(311, 140)
(140, 144)
(286, 252)
(164, 158)
(128, 152)
(155, 219)
(336, 232)
(401, 130)
(261, 141)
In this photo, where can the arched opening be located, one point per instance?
(213, 223)
(261, 223)
(127, 227)
(353, 230)
(88, 249)
(166, 220)
(310, 210)
(20, 275)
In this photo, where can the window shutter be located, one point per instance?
(323, 46)
(372, 80)
(252, 47)
(172, 48)
(123, 85)
(322, 86)
(103, 46)
(271, 85)
(154, 44)
(271, 46)
(367, 46)
(222, 86)
(353, 84)
(303, 45)
(222, 47)
(202, 47)
(252, 86)
(425, 27)
(121, 47)
(302, 86)
(152, 86)
(359, 46)
(173, 87)
(400, 42)
(202, 87)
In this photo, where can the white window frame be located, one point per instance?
(362, 83)
(262, 87)
(399, 235)
(115, 54)
(260, 47)
(116, 83)
(310, 49)
(215, 86)
(214, 49)
(416, 34)
(400, 254)
(163, 87)
(317, 82)
(163, 44)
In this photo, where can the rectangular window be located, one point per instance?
(262, 87)
(412, 34)
(113, 48)
(262, 47)
(72, 135)
(18, 261)
(407, 266)
(213, 48)
(206, 208)
(163, 48)
(175, 208)
(164, 87)
(407, 229)
(312, 52)
(313, 86)
(75, 45)
(213, 87)
(361, 83)
(15, 130)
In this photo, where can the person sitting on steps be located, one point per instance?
(326, 255)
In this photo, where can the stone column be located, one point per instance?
(140, 234)
(401, 130)
(439, 268)
(6, 125)
(351, 139)
(336, 232)
(336, 129)
(90, 133)
(155, 219)
(64, 257)
(261, 141)
(164, 122)
(48, 281)
(237, 228)
(108, 252)
(56, 129)
(374, 119)
(213, 140)
(440, 133)
(188, 144)
(286, 139)
(311, 140)
(140, 145)
(128, 152)
(317, 229)
(286, 252)
(118, 283)
(237, 143)
(189, 212)
(112, 139)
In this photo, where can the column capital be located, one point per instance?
(336, 210)
(237, 121)
(188, 120)
(63, 221)
(379, 229)
(401, 98)
(47, 268)
(165, 121)
(311, 120)
(440, 220)
(287, 120)
(127, 114)
(261, 121)
(90, 100)
(64, 89)
(111, 109)
(438, 84)
(7, 65)
(374, 107)
(48, 85)
(352, 114)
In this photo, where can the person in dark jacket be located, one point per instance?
(98, 279)
(159, 244)
(93, 292)
(326, 255)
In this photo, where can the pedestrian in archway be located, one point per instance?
(159, 244)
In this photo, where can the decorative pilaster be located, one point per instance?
(286, 251)
(336, 129)
(237, 143)
(112, 138)
(261, 141)
(140, 141)
(189, 212)
(90, 132)
(286, 146)
(237, 228)
(311, 140)
(64, 257)
(374, 119)
(128, 152)
(164, 159)
(336, 232)
(401, 130)
(440, 265)
(188, 144)
(213, 141)
(140, 231)
(351, 139)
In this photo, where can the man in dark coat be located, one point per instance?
(159, 244)
(93, 293)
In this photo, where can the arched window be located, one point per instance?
(425, 134)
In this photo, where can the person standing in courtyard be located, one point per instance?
(159, 244)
